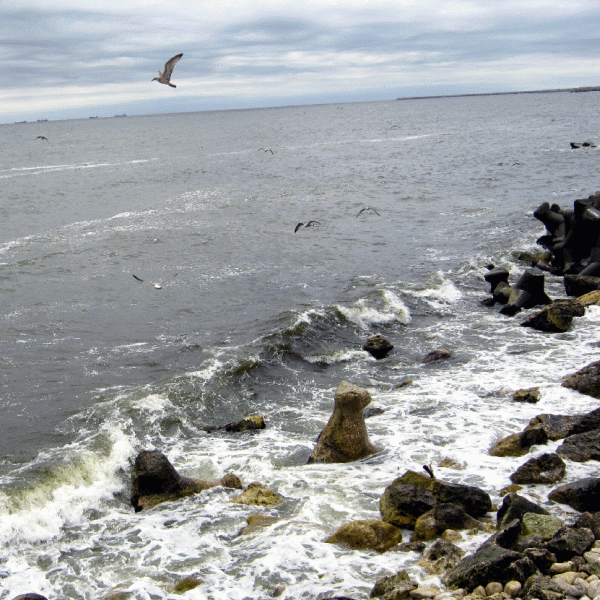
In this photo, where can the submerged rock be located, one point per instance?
(367, 535)
(345, 438)
(518, 444)
(378, 346)
(556, 317)
(249, 423)
(437, 355)
(531, 395)
(547, 468)
(259, 495)
(154, 480)
(586, 380)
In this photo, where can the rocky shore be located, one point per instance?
(529, 553)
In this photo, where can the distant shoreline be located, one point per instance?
(579, 89)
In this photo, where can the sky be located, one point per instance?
(63, 59)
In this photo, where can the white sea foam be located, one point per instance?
(391, 309)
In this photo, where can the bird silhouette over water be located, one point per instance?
(156, 284)
(41, 137)
(367, 208)
(308, 224)
(267, 150)
(165, 76)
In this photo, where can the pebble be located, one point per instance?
(594, 587)
(425, 591)
(493, 588)
(592, 556)
(561, 567)
(512, 588)
(567, 576)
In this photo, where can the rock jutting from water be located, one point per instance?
(345, 437)
(154, 480)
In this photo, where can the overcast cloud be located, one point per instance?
(60, 59)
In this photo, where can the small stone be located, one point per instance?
(425, 591)
(451, 535)
(512, 588)
(594, 588)
(592, 556)
(568, 576)
(258, 494)
(531, 395)
(561, 567)
(493, 588)
(479, 592)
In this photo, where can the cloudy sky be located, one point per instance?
(72, 59)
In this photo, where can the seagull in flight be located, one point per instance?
(156, 284)
(165, 76)
(41, 137)
(309, 224)
(367, 208)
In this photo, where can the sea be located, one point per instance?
(253, 317)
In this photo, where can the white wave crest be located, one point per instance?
(392, 310)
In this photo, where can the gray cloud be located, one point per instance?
(50, 49)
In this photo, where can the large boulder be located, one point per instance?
(568, 542)
(581, 447)
(489, 563)
(579, 285)
(345, 438)
(582, 495)
(441, 556)
(514, 507)
(547, 468)
(154, 480)
(395, 587)
(474, 501)
(519, 444)
(367, 535)
(543, 588)
(556, 317)
(402, 503)
(586, 380)
(434, 522)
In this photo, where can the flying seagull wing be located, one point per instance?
(170, 65)
(138, 278)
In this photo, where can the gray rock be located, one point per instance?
(489, 563)
(582, 495)
(547, 468)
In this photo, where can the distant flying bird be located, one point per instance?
(165, 76)
(157, 284)
(367, 208)
(41, 137)
(267, 150)
(308, 224)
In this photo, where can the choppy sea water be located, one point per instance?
(95, 365)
